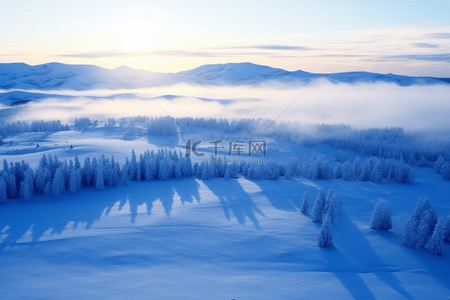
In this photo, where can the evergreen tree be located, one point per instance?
(446, 229)
(337, 173)
(73, 184)
(319, 206)
(133, 170)
(330, 205)
(11, 187)
(305, 206)
(164, 169)
(357, 167)
(381, 217)
(99, 181)
(58, 182)
(438, 164)
(325, 238)
(26, 186)
(420, 225)
(366, 171)
(445, 171)
(435, 245)
(48, 189)
(3, 195)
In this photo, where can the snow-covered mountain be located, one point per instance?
(57, 76)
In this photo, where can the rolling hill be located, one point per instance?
(57, 76)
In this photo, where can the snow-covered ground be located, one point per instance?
(211, 239)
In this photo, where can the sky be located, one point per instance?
(400, 37)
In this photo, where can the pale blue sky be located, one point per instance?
(404, 37)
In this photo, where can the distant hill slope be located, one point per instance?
(57, 76)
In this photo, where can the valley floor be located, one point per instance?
(213, 239)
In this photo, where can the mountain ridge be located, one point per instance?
(59, 76)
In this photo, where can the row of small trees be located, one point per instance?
(388, 143)
(373, 169)
(323, 212)
(53, 177)
(10, 129)
(422, 229)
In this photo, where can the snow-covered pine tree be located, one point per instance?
(366, 171)
(305, 206)
(317, 211)
(381, 217)
(26, 186)
(48, 189)
(436, 243)
(325, 238)
(58, 182)
(3, 195)
(330, 205)
(337, 173)
(438, 164)
(446, 229)
(99, 181)
(133, 170)
(73, 184)
(425, 218)
(357, 167)
(445, 171)
(424, 230)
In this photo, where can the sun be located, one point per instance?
(136, 35)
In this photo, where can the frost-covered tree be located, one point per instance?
(366, 171)
(48, 189)
(381, 217)
(75, 180)
(26, 186)
(357, 167)
(420, 225)
(305, 206)
(337, 173)
(164, 169)
(436, 242)
(377, 172)
(438, 164)
(317, 211)
(347, 171)
(331, 205)
(445, 171)
(325, 238)
(58, 182)
(99, 181)
(424, 230)
(446, 229)
(3, 195)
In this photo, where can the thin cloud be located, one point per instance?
(425, 45)
(439, 35)
(444, 57)
(280, 47)
(180, 53)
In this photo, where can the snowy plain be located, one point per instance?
(219, 239)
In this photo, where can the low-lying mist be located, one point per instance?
(361, 105)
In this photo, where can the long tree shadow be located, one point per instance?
(437, 265)
(42, 214)
(188, 191)
(281, 195)
(28, 221)
(234, 199)
(356, 255)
